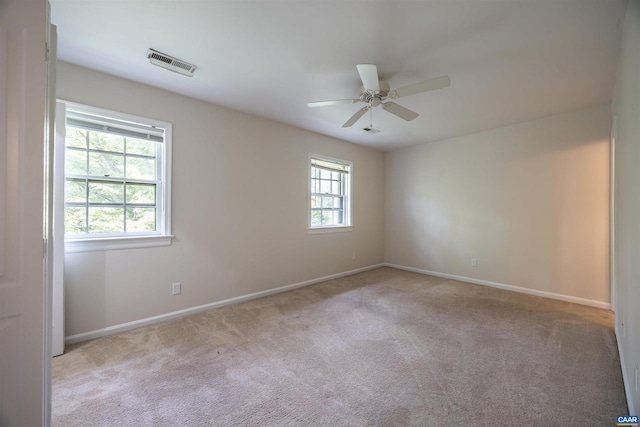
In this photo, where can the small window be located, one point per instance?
(330, 193)
(116, 175)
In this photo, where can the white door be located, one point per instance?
(24, 326)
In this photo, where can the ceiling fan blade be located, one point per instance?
(332, 102)
(427, 85)
(400, 111)
(356, 117)
(369, 76)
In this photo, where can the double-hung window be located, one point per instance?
(330, 193)
(117, 178)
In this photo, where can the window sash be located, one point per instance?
(124, 202)
(329, 208)
(124, 181)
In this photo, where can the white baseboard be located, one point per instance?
(85, 336)
(568, 298)
(72, 339)
(625, 378)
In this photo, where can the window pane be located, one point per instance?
(325, 187)
(337, 202)
(335, 187)
(104, 164)
(106, 220)
(325, 174)
(141, 193)
(75, 191)
(314, 172)
(314, 202)
(76, 138)
(75, 220)
(327, 218)
(327, 202)
(141, 168)
(75, 162)
(106, 142)
(316, 218)
(142, 147)
(141, 219)
(106, 192)
(335, 175)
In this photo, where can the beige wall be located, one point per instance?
(626, 108)
(530, 202)
(240, 198)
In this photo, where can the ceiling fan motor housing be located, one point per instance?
(374, 97)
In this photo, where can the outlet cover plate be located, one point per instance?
(176, 289)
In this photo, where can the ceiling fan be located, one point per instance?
(375, 92)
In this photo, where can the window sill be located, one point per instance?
(113, 243)
(322, 230)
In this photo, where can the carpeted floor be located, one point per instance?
(380, 348)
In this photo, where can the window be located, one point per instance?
(330, 191)
(117, 174)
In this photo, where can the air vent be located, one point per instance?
(371, 130)
(170, 63)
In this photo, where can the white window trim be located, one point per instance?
(163, 237)
(112, 243)
(330, 229)
(349, 194)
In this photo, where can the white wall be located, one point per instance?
(530, 202)
(626, 107)
(240, 200)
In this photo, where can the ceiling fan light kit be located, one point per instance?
(375, 92)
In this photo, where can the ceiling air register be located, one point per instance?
(170, 63)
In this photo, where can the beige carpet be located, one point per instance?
(381, 348)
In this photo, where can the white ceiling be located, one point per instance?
(509, 61)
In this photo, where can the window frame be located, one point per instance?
(348, 197)
(162, 236)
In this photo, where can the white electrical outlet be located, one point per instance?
(474, 262)
(176, 288)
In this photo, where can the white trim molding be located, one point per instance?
(626, 381)
(86, 115)
(111, 243)
(321, 230)
(561, 297)
(347, 173)
(85, 336)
